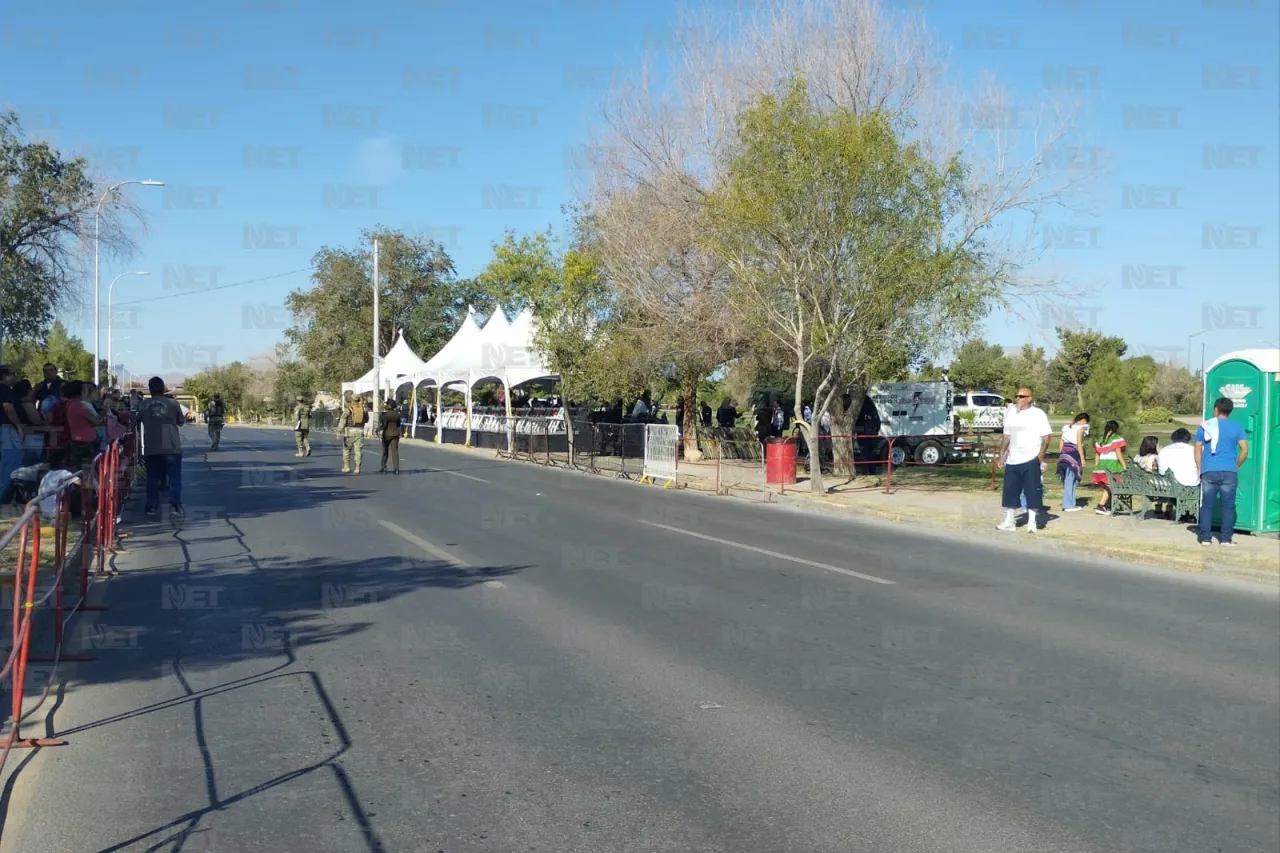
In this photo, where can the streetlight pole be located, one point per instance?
(111, 314)
(1189, 337)
(377, 358)
(97, 286)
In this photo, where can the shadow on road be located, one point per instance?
(194, 599)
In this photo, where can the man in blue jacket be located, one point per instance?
(1221, 448)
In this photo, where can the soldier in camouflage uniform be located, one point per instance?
(302, 427)
(351, 424)
(215, 416)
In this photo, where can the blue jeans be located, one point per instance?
(1215, 484)
(157, 466)
(10, 454)
(1069, 488)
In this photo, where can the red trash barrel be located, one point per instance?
(780, 461)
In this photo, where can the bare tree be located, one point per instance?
(648, 240)
(860, 57)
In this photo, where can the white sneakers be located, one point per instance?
(1010, 523)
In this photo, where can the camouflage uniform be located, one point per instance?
(352, 435)
(215, 415)
(302, 427)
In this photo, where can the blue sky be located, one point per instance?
(280, 126)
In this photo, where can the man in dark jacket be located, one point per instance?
(389, 429)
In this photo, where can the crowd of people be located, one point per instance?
(60, 424)
(1209, 459)
(57, 423)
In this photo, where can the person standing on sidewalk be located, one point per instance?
(389, 429)
(1071, 459)
(162, 421)
(351, 424)
(1026, 436)
(215, 416)
(302, 426)
(1221, 447)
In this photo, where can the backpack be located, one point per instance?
(355, 413)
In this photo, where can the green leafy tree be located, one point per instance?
(978, 364)
(835, 233)
(1077, 358)
(525, 270)
(1109, 394)
(420, 294)
(291, 378)
(575, 312)
(233, 381)
(1027, 368)
(58, 346)
(47, 203)
(1142, 374)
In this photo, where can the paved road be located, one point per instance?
(488, 656)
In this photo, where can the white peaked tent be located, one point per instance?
(399, 362)
(501, 350)
(462, 341)
(524, 362)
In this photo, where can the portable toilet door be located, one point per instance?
(1251, 380)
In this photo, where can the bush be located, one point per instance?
(1155, 415)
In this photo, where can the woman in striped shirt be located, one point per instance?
(1110, 455)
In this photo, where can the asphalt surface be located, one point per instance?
(491, 656)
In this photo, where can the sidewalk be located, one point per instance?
(975, 513)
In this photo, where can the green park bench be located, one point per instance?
(1136, 482)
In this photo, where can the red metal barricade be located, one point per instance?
(103, 488)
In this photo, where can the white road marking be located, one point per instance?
(494, 584)
(766, 552)
(438, 553)
(456, 474)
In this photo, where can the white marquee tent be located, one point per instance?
(399, 362)
(501, 350)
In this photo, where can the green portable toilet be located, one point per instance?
(1251, 380)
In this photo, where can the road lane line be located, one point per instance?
(438, 553)
(769, 553)
(455, 474)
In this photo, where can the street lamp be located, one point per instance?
(1203, 384)
(111, 314)
(1189, 337)
(97, 287)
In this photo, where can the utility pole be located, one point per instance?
(377, 356)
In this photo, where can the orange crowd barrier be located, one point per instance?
(103, 486)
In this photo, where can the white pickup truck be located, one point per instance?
(988, 409)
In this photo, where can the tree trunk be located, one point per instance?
(842, 425)
(689, 429)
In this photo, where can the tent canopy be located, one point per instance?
(399, 361)
(502, 350)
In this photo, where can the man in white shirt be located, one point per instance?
(1179, 458)
(1026, 437)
